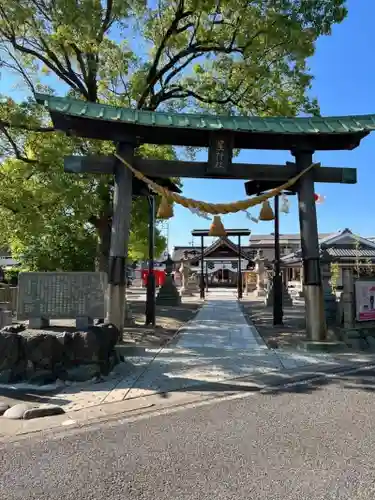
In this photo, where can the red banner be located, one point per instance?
(159, 277)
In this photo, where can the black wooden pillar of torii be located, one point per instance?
(221, 134)
(259, 187)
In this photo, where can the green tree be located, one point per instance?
(227, 56)
(51, 219)
(335, 275)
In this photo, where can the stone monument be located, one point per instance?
(61, 295)
(168, 294)
(260, 271)
(184, 270)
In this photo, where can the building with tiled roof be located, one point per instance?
(221, 257)
(343, 247)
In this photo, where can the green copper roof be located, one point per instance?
(69, 114)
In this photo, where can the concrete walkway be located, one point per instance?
(217, 346)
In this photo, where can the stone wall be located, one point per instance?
(42, 357)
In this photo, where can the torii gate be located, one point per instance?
(128, 128)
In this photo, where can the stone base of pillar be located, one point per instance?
(168, 294)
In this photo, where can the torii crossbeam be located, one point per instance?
(128, 128)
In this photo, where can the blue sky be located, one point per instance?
(344, 84)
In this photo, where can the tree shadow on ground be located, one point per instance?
(11, 396)
(362, 379)
(276, 383)
(272, 384)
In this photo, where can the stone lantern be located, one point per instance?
(168, 294)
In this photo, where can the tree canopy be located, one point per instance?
(222, 56)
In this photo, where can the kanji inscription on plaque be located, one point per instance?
(59, 295)
(220, 154)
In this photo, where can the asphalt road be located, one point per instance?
(313, 442)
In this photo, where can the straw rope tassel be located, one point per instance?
(266, 212)
(213, 208)
(165, 210)
(217, 227)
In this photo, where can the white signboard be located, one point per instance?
(365, 300)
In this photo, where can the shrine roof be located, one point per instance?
(194, 253)
(230, 232)
(100, 121)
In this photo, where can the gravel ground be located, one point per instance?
(314, 442)
(290, 334)
(169, 319)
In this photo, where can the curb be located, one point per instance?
(147, 406)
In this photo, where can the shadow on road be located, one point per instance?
(277, 383)
(361, 380)
(271, 384)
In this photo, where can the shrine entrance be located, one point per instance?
(128, 128)
(222, 263)
(222, 278)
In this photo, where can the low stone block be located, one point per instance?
(17, 411)
(47, 410)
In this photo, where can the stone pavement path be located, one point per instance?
(217, 345)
